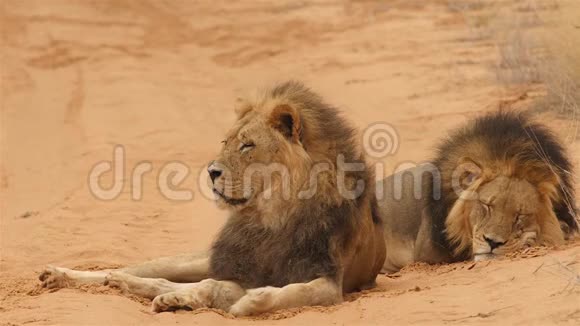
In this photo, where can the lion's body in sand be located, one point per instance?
(301, 231)
(300, 224)
(497, 185)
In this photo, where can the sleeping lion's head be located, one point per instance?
(507, 216)
(506, 185)
(284, 147)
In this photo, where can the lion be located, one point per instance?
(301, 231)
(500, 184)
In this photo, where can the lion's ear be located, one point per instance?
(286, 120)
(549, 189)
(468, 171)
(242, 109)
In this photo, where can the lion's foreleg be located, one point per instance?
(319, 292)
(60, 277)
(182, 268)
(143, 287)
(208, 293)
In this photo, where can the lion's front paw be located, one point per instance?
(255, 301)
(55, 278)
(117, 280)
(173, 301)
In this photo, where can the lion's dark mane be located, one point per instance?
(503, 135)
(307, 246)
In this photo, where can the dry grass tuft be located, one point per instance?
(559, 65)
(538, 46)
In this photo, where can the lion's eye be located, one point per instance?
(246, 147)
(521, 217)
(487, 207)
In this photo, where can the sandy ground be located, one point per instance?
(161, 78)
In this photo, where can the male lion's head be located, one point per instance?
(262, 144)
(283, 148)
(507, 216)
(506, 185)
(504, 214)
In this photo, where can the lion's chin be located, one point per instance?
(484, 257)
(229, 201)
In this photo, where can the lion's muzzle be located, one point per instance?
(214, 171)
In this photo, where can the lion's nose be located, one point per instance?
(214, 171)
(493, 243)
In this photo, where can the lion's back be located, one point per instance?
(407, 222)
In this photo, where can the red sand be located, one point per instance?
(161, 78)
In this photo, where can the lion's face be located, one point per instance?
(504, 217)
(253, 164)
(507, 184)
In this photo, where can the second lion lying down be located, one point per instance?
(502, 183)
(305, 224)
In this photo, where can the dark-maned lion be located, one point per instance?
(499, 184)
(301, 230)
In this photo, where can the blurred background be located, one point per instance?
(161, 79)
